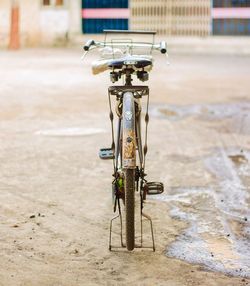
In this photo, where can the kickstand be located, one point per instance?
(151, 226)
(143, 215)
(111, 224)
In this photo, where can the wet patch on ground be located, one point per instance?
(236, 114)
(218, 236)
(238, 159)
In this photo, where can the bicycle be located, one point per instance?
(120, 58)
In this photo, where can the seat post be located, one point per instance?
(128, 80)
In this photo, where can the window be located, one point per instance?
(46, 2)
(57, 3)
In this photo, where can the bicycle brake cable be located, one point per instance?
(111, 117)
(145, 149)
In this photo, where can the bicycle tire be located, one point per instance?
(129, 163)
(129, 176)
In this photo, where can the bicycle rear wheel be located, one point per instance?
(129, 164)
(129, 185)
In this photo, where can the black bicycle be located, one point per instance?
(122, 56)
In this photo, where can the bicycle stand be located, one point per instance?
(123, 245)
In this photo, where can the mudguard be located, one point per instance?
(129, 134)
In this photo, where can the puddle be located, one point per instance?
(173, 112)
(218, 236)
(75, 131)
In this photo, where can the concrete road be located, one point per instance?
(55, 193)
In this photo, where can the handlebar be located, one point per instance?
(162, 47)
(88, 44)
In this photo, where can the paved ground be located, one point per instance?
(55, 192)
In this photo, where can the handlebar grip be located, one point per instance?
(163, 47)
(88, 44)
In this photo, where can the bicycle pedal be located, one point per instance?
(106, 154)
(154, 188)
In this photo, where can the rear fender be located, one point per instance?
(129, 134)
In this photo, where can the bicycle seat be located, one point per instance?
(137, 62)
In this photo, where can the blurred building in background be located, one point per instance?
(168, 17)
(56, 21)
(173, 17)
(41, 22)
(105, 14)
(231, 17)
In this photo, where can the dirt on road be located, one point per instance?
(55, 192)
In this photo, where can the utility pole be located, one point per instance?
(14, 43)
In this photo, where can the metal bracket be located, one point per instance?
(138, 91)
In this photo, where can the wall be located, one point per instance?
(54, 25)
(4, 22)
(40, 25)
(29, 22)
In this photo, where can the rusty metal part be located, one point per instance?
(129, 136)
